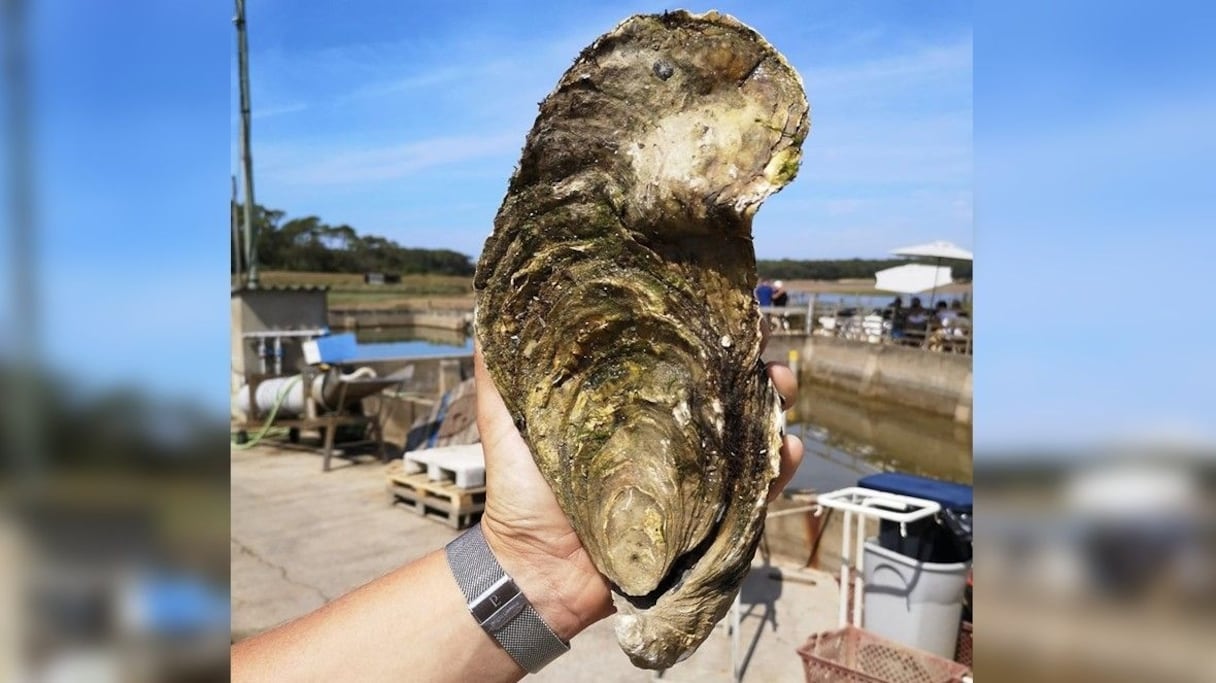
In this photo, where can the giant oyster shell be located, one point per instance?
(615, 310)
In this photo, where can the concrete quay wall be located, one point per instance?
(937, 383)
(361, 318)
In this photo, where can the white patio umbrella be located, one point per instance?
(939, 250)
(912, 278)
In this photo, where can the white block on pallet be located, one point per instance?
(465, 465)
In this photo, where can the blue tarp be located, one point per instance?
(949, 495)
(337, 348)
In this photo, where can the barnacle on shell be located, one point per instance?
(616, 316)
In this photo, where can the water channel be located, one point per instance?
(404, 342)
(845, 437)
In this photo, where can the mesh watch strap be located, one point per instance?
(498, 605)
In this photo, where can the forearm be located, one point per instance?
(412, 624)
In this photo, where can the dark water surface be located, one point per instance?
(405, 342)
(847, 438)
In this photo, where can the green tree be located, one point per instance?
(309, 244)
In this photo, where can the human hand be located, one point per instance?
(531, 536)
(786, 383)
(525, 526)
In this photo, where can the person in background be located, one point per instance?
(948, 327)
(894, 310)
(916, 322)
(764, 293)
(893, 316)
(957, 307)
(943, 315)
(780, 296)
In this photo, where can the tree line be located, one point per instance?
(842, 269)
(309, 244)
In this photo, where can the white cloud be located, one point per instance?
(471, 72)
(275, 110)
(304, 165)
(946, 62)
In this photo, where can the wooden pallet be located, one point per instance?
(440, 500)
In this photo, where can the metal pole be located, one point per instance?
(844, 569)
(810, 314)
(933, 295)
(251, 262)
(22, 409)
(237, 259)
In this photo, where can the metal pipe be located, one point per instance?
(923, 508)
(237, 259)
(278, 355)
(792, 511)
(262, 355)
(858, 581)
(844, 569)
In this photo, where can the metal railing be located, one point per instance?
(953, 334)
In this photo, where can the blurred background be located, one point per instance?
(1095, 431)
(114, 496)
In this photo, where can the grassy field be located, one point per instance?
(347, 290)
(859, 286)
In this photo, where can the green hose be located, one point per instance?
(274, 410)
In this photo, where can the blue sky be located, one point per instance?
(1093, 152)
(130, 106)
(407, 120)
(1094, 224)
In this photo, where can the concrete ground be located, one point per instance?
(301, 537)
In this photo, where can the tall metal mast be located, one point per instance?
(251, 262)
(238, 255)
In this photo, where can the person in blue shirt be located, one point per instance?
(764, 293)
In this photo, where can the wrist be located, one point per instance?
(557, 578)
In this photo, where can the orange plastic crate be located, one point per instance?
(963, 653)
(853, 655)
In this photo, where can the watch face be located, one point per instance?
(495, 608)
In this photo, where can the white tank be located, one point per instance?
(289, 392)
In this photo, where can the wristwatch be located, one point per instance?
(499, 606)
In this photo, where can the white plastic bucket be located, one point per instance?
(911, 602)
